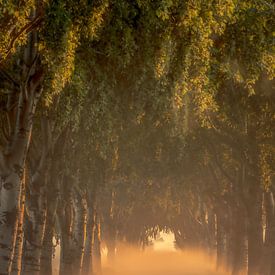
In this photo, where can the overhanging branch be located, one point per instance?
(24, 30)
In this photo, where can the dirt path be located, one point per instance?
(161, 263)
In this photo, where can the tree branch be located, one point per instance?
(5, 76)
(26, 29)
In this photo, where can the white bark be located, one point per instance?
(9, 207)
(11, 168)
(35, 234)
(37, 209)
(97, 267)
(17, 260)
(79, 232)
(90, 233)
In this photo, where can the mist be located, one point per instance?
(131, 261)
(161, 258)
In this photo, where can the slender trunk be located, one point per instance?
(73, 235)
(254, 202)
(53, 198)
(87, 260)
(97, 248)
(66, 224)
(79, 232)
(221, 240)
(17, 259)
(110, 240)
(271, 231)
(48, 248)
(35, 227)
(179, 238)
(255, 231)
(37, 207)
(110, 233)
(272, 270)
(111, 246)
(268, 257)
(238, 242)
(66, 254)
(210, 231)
(34, 239)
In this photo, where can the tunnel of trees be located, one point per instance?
(124, 118)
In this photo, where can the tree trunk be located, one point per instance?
(48, 248)
(97, 248)
(268, 257)
(12, 162)
(110, 238)
(66, 254)
(88, 250)
(79, 232)
(221, 240)
(239, 251)
(66, 216)
(17, 259)
(53, 198)
(35, 226)
(73, 234)
(111, 246)
(9, 213)
(210, 228)
(255, 232)
(32, 249)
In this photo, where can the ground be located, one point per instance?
(131, 262)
